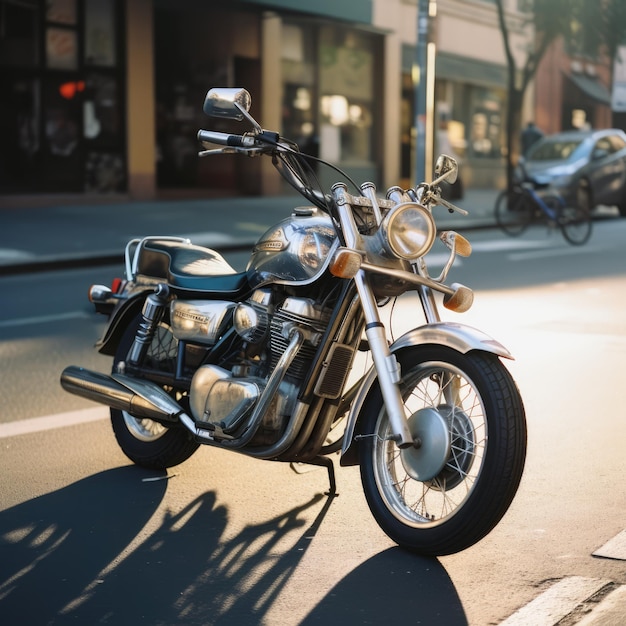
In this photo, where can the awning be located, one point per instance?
(591, 87)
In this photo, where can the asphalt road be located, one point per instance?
(87, 538)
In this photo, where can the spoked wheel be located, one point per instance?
(513, 212)
(448, 492)
(144, 441)
(575, 224)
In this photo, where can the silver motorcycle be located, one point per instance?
(261, 361)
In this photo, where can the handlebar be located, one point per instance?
(226, 139)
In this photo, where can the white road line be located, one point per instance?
(552, 252)
(50, 422)
(208, 238)
(614, 548)
(45, 319)
(610, 612)
(503, 245)
(557, 602)
(13, 255)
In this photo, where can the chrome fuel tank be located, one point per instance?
(297, 250)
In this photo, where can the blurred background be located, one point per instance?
(102, 99)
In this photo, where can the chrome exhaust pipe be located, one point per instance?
(140, 398)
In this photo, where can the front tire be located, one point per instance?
(447, 495)
(145, 442)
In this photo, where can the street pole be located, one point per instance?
(424, 79)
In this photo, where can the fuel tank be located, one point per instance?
(297, 250)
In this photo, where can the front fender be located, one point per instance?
(458, 337)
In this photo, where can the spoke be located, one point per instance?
(450, 392)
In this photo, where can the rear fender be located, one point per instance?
(458, 337)
(120, 318)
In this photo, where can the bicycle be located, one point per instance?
(529, 202)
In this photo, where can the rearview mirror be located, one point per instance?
(446, 168)
(227, 102)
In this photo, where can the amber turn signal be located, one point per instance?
(346, 263)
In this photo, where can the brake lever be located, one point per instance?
(251, 152)
(225, 150)
(451, 207)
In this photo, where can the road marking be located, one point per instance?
(614, 548)
(552, 252)
(50, 422)
(12, 255)
(610, 611)
(208, 238)
(45, 319)
(557, 602)
(503, 245)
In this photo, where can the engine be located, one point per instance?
(224, 398)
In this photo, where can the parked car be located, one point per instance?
(587, 168)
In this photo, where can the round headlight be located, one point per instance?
(409, 231)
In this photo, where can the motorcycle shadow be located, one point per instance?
(393, 586)
(102, 551)
(106, 550)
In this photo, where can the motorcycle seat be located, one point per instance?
(188, 267)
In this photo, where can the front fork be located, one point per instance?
(386, 364)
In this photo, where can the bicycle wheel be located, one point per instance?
(513, 212)
(574, 222)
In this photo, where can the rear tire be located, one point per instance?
(442, 498)
(513, 212)
(145, 442)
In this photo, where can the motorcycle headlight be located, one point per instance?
(408, 231)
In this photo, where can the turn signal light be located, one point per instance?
(99, 293)
(346, 263)
(461, 300)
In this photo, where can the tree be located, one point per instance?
(600, 27)
(546, 20)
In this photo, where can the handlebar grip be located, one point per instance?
(224, 139)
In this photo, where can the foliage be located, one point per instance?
(590, 27)
(599, 26)
(548, 20)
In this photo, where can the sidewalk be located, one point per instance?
(32, 239)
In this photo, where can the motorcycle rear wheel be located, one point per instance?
(448, 494)
(145, 442)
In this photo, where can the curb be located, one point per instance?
(109, 257)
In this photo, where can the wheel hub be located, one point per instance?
(462, 447)
(430, 428)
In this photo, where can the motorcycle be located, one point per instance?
(259, 361)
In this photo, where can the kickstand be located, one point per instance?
(324, 461)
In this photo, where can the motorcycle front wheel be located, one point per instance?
(145, 442)
(449, 491)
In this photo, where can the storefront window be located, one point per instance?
(300, 109)
(99, 33)
(486, 124)
(20, 34)
(61, 11)
(346, 94)
(61, 126)
(328, 75)
(61, 48)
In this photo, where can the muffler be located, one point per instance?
(140, 398)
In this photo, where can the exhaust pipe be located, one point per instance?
(140, 398)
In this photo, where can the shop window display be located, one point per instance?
(61, 125)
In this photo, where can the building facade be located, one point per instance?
(102, 99)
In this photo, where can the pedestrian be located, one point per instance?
(530, 135)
